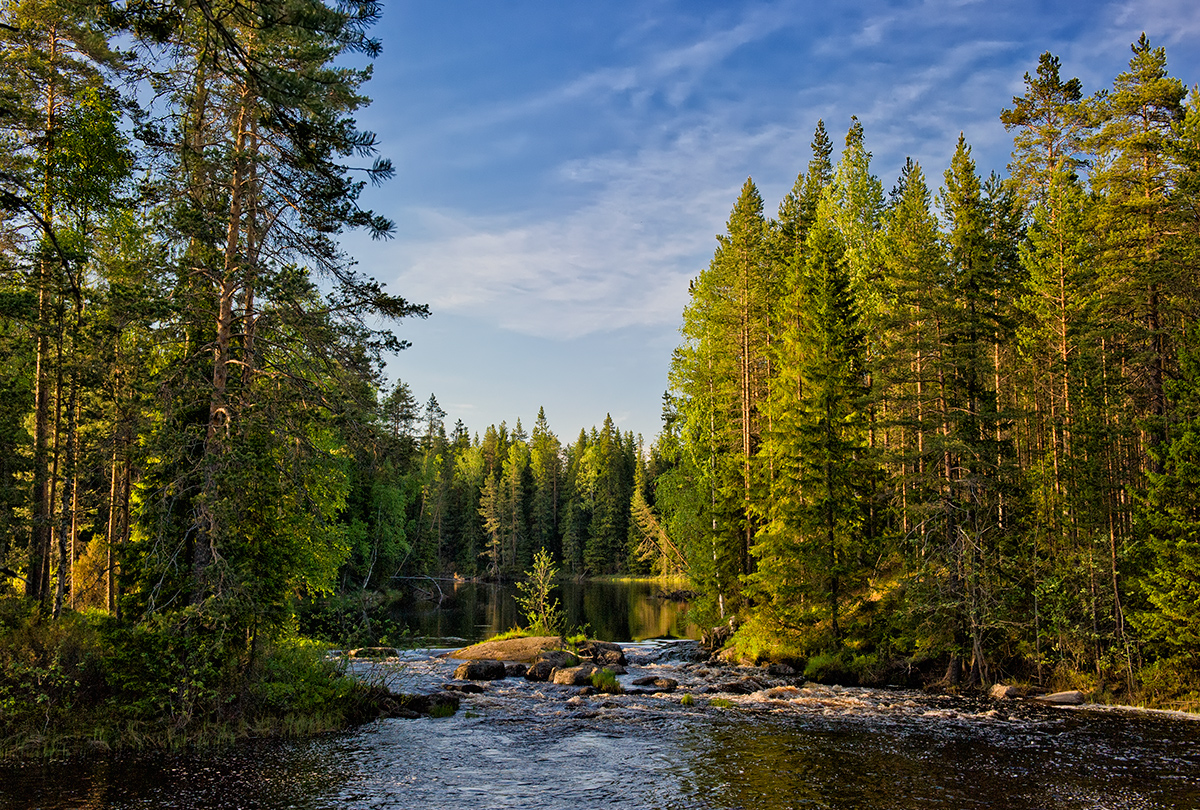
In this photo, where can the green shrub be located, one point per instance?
(832, 667)
(441, 710)
(297, 677)
(605, 680)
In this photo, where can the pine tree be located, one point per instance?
(809, 549)
(1169, 518)
(1135, 175)
(546, 466)
(721, 373)
(1051, 124)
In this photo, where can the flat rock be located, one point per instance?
(480, 671)
(1071, 698)
(465, 688)
(374, 652)
(510, 649)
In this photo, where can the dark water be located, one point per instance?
(615, 611)
(543, 747)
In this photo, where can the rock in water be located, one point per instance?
(480, 671)
(1001, 691)
(662, 684)
(602, 652)
(1072, 698)
(512, 649)
(575, 676)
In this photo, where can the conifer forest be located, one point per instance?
(946, 431)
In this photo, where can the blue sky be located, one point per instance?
(563, 167)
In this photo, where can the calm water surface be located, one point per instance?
(535, 746)
(615, 611)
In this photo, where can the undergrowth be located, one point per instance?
(88, 682)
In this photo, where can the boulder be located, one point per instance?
(539, 671)
(662, 684)
(426, 704)
(558, 659)
(515, 670)
(1001, 691)
(781, 670)
(1072, 698)
(742, 686)
(602, 652)
(480, 671)
(574, 676)
(464, 688)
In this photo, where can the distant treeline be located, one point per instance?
(482, 507)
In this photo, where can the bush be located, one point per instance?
(832, 667)
(164, 682)
(605, 680)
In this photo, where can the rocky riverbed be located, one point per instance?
(663, 676)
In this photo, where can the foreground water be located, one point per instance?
(783, 745)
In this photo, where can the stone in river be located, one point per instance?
(575, 676)
(663, 684)
(602, 652)
(1071, 698)
(480, 671)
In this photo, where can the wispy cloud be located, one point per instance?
(623, 259)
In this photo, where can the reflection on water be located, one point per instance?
(614, 611)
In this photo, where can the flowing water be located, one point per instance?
(750, 741)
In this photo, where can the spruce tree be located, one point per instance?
(809, 550)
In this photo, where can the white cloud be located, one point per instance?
(622, 259)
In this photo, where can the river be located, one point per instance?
(784, 745)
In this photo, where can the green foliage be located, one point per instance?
(543, 613)
(1169, 518)
(516, 632)
(605, 681)
(85, 675)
